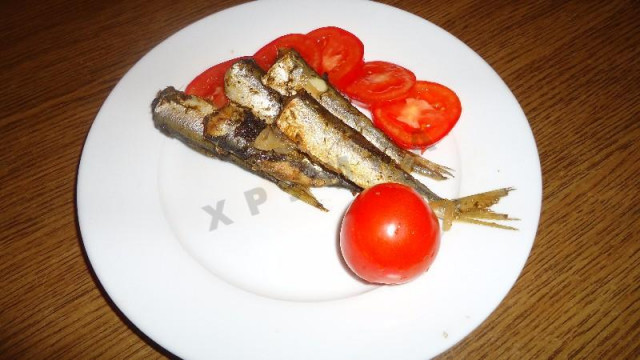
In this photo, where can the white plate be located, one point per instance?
(271, 285)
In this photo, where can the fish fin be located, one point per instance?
(414, 163)
(486, 223)
(301, 192)
(482, 200)
(473, 209)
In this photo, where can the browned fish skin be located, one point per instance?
(182, 116)
(330, 142)
(290, 75)
(188, 127)
(321, 136)
(236, 129)
(243, 86)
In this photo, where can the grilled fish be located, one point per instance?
(290, 74)
(341, 149)
(183, 117)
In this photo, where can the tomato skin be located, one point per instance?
(389, 235)
(378, 81)
(341, 54)
(420, 119)
(305, 46)
(210, 83)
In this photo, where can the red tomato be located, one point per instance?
(305, 46)
(421, 118)
(210, 83)
(389, 234)
(380, 81)
(341, 53)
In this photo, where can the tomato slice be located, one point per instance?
(421, 118)
(389, 234)
(380, 81)
(305, 46)
(210, 83)
(341, 53)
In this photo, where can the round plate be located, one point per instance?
(211, 261)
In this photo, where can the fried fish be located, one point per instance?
(301, 134)
(231, 134)
(290, 74)
(330, 142)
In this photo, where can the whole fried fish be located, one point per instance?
(231, 137)
(290, 74)
(341, 149)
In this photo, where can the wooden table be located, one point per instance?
(573, 65)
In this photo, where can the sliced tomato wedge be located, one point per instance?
(378, 81)
(210, 83)
(341, 53)
(305, 46)
(421, 118)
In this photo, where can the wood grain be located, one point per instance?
(573, 66)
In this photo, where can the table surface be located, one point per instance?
(573, 66)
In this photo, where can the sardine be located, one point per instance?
(239, 132)
(243, 86)
(330, 142)
(183, 117)
(290, 74)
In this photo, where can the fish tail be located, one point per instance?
(473, 209)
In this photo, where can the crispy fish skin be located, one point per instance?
(338, 147)
(236, 129)
(180, 116)
(183, 117)
(290, 74)
(243, 86)
(328, 141)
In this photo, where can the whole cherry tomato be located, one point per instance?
(389, 234)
